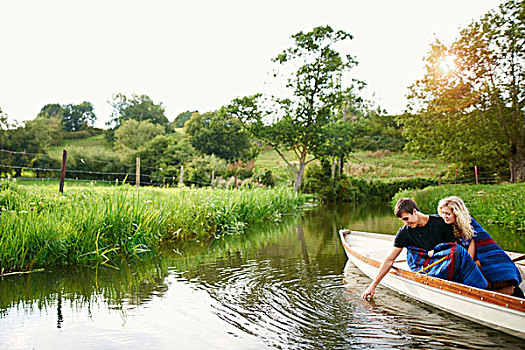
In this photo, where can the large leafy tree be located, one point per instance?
(137, 108)
(220, 134)
(73, 117)
(301, 122)
(469, 107)
(164, 154)
(76, 117)
(52, 110)
(181, 119)
(132, 134)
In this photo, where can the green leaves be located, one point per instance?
(300, 123)
(473, 114)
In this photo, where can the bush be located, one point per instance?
(265, 177)
(350, 189)
(198, 172)
(240, 169)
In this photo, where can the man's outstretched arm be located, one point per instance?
(383, 270)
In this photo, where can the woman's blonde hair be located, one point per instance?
(462, 226)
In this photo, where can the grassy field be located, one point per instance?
(384, 164)
(380, 165)
(502, 204)
(40, 227)
(96, 143)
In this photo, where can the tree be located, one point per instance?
(300, 123)
(469, 107)
(73, 117)
(4, 125)
(132, 134)
(137, 108)
(182, 118)
(220, 134)
(47, 131)
(51, 110)
(26, 148)
(76, 117)
(165, 154)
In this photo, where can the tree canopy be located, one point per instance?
(469, 106)
(137, 108)
(220, 134)
(182, 118)
(318, 86)
(132, 134)
(72, 117)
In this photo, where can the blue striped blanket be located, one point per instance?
(458, 266)
(496, 265)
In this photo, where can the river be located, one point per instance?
(283, 285)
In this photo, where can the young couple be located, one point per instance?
(462, 250)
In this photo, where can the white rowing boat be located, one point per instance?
(495, 310)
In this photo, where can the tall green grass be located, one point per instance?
(39, 227)
(499, 204)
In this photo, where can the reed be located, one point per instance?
(39, 227)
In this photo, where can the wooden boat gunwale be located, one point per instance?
(505, 301)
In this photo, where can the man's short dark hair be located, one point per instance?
(405, 205)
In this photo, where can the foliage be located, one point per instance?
(377, 131)
(198, 172)
(139, 108)
(90, 224)
(164, 155)
(473, 113)
(46, 131)
(4, 125)
(52, 110)
(265, 177)
(219, 134)
(240, 169)
(22, 141)
(132, 134)
(181, 119)
(300, 123)
(73, 117)
(499, 204)
(78, 116)
(351, 189)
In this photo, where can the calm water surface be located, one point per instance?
(286, 286)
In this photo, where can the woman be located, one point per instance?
(499, 270)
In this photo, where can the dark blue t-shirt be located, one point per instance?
(436, 231)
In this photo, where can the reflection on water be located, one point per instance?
(278, 286)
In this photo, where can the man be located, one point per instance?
(424, 232)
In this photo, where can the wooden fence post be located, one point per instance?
(137, 173)
(212, 177)
(476, 171)
(456, 177)
(63, 171)
(181, 179)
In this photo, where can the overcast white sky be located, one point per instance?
(199, 55)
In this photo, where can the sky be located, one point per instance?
(199, 55)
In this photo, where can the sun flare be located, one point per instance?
(447, 64)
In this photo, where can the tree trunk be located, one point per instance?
(299, 176)
(333, 170)
(517, 168)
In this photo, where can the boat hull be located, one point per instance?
(492, 309)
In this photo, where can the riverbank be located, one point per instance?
(502, 204)
(40, 227)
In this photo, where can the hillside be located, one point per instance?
(381, 164)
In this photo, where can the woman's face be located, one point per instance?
(448, 215)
